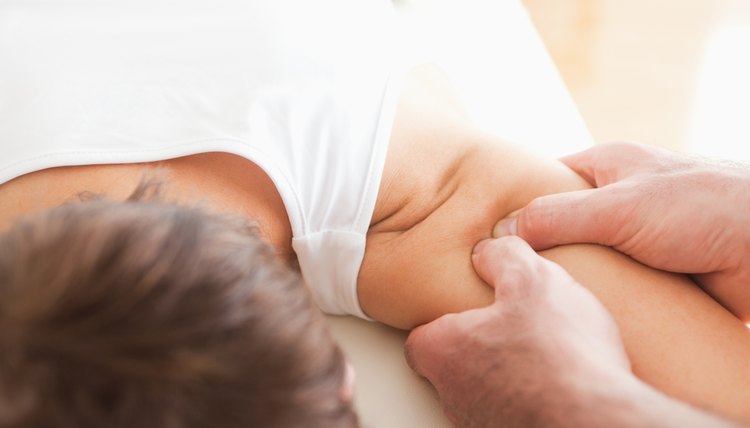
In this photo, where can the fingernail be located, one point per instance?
(479, 246)
(505, 227)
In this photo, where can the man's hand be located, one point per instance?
(545, 354)
(511, 361)
(669, 211)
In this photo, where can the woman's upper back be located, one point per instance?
(305, 92)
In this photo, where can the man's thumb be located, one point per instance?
(423, 349)
(575, 217)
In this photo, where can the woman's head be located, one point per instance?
(142, 313)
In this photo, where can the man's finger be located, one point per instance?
(506, 264)
(583, 216)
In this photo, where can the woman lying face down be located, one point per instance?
(378, 190)
(444, 185)
(148, 314)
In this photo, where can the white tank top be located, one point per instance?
(307, 90)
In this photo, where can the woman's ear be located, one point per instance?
(346, 393)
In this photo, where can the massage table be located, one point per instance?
(494, 56)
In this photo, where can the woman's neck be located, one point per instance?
(218, 181)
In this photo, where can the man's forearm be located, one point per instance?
(622, 401)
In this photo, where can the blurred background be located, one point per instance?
(674, 73)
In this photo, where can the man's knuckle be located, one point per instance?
(516, 251)
(534, 215)
(516, 280)
(500, 250)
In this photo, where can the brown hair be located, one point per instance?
(147, 314)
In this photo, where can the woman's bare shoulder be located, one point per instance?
(417, 263)
(444, 186)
